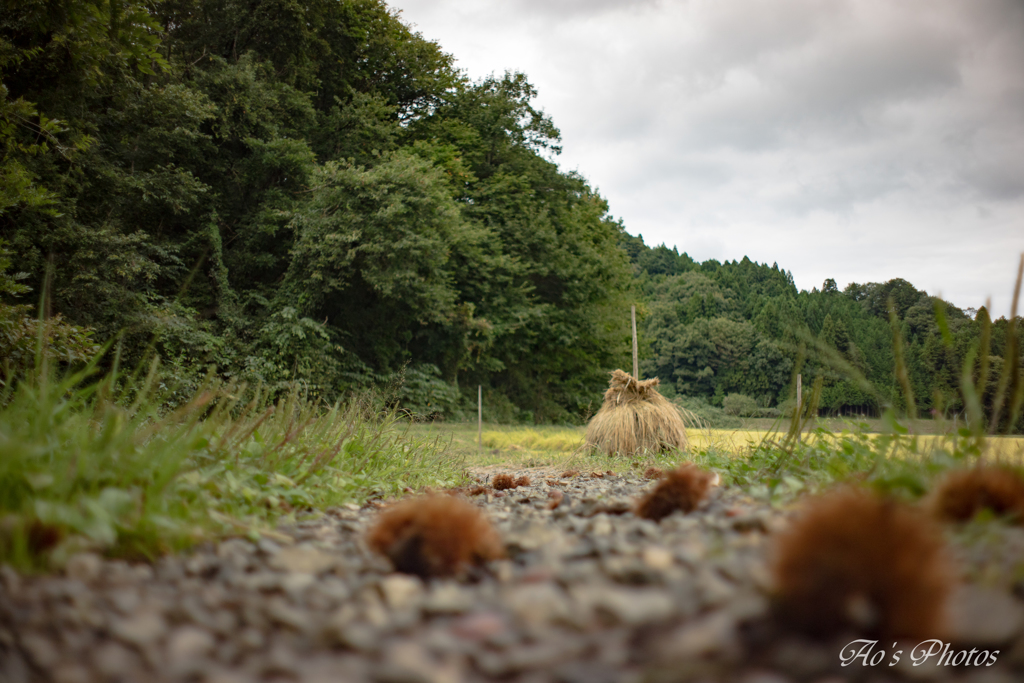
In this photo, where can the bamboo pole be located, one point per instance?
(480, 414)
(636, 362)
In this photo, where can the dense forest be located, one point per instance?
(310, 191)
(742, 330)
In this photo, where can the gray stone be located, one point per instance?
(236, 554)
(763, 677)
(984, 616)
(537, 656)
(268, 547)
(14, 669)
(629, 570)
(116, 661)
(10, 579)
(280, 611)
(712, 634)
(712, 588)
(922, 670)
(296, 583)
(332, 588)
(260, 581)
(627, 606)
(601, 525)
(538, 603)
(125, 599)
(401, 591)
(657, 558)
(990, 676)
(41, 650)
(692, 551)
(333, 668)
(803, 659)
(218, 675)
(200, 564)
(479, 626)
(281, 659)
(447, 598)
(188, 643)
(250, 638)
(303, 559)
(84, 567)
(141, 629)
(360, 637)
(409, 662)
(72, 672)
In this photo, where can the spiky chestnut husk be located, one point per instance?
(965, 493)
(680, 489)
(653, 473)
(500, 482)
(854, 561)
(434, 536)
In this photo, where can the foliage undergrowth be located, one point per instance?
(100, 464)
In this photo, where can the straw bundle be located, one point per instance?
(635, 418)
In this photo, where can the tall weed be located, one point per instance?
(89, 463)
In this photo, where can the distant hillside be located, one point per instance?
(714, 329)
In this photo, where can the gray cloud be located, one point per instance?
(854, 139)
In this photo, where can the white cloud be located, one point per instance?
(854, 139)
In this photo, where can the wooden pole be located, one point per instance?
(799, 395)
(480, 414)
(636, 362)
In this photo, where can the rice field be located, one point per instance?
(568, 440)
(550, 445)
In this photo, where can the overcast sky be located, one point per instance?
(860, 140)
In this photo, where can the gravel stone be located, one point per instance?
(189, 642)
(712, 634)
(447, 598)
(984, 617)
(409, 662)
(657, 558)
(42, 651)
(116, 661)
(85, 567)
(303, 559)
(401, 591)
(72, 673)
(625, 606)
(539, 603)
(588, 593)
(283, 613)
(141, 629)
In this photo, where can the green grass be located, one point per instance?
(503, 444)
(99, 465)
(769, 464)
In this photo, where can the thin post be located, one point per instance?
(636, 362)
(799, 395)
(480, 414)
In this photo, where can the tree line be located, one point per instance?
(743, 329)
(313, 192)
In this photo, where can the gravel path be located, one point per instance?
(588, 594)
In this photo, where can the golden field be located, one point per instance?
(548, 445)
